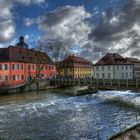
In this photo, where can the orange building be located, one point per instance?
(75, 66)
(20, 64)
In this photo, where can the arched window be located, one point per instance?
(6, 67)
(0, 67)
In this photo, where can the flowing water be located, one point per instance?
(54, 115)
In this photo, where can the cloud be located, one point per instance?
(7, 24)
(29, 21)
(67, 26)
(117, 31)
(28, 2)
(71, 27)
(7, 30)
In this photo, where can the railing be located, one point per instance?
(96, 82)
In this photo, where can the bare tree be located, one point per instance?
(57, 49)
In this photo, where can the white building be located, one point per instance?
(136, 63)
(113, 66)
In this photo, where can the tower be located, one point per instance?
(21, 43)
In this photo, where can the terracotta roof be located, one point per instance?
(112, 59)
(75, 61)
(19, 54)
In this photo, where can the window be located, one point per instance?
(126, 67)
(22, 77)
(6, 77)
(49, 67)
(126, 75)
(97, 68)
(122, 75)
(33, 67)
(14, 77)
(108, 75)
(97, 75)
(103, 75)
(0, 67)
(13, 67)
(18, 77)
(122, 67)
(130, 74)
(0, 78)
(108, 67)
(22, 67)
(6, 67)
(46, 67)
(18, 66)
(102, 68)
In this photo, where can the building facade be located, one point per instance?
(136, 63)
(113, 66)
(74, 66)
(19, 64)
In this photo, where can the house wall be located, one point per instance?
(82, 72)
(77, 72)
(113, 71)
(66, 72)
(124, 72)
(18, 73)
(137, 70)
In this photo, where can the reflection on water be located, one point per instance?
(51, 115)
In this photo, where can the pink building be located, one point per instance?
(19, 64)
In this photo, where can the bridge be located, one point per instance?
(99, 83)
(104, 84)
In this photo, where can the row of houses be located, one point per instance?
(18, 64)
(111, 66)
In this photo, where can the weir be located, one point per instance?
(128, 98)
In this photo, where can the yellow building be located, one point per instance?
(74, 66)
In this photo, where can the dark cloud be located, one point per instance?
(118, 31)
(112, 23)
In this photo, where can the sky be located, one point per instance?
(88, 28)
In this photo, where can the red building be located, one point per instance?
(19, 64)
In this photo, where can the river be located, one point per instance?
(54, 115)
